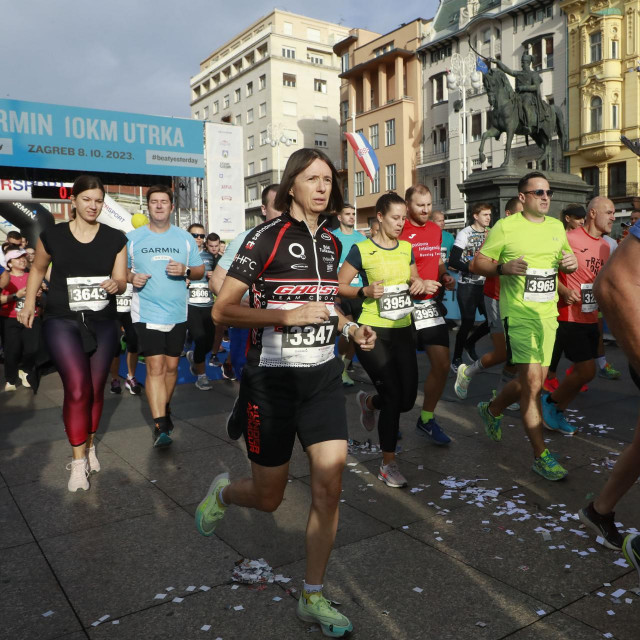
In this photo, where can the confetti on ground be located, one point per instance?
(205, 627)
(169, 588)
(160, 596)
(190, 588)
(481, 624)
(46, 614)
(238, 607)
(204, 588)
(355, 447)
(621, 562)
(115, 622)
(254, 572)
(277, 599)
(618, 593)
(418, 589)
(177, 600)
(541, 612)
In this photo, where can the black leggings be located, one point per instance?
(201, 330)
(393, 369)
(470, 298)
(20, 346)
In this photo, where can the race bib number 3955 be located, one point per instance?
(86, 294)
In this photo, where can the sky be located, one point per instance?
(138, 55)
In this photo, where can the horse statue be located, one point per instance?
(522, 112)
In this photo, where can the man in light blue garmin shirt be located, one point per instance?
(351, 307)
(160, 258)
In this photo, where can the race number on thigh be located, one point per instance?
(540, 285)
(588, 299)
(310, 343)
(199, 293)
(426, 313)
(86, 294)
(395, 303)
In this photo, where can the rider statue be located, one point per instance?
(534, 111)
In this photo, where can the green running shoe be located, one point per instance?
(609, 372)
(210, 511)
(548, 467)
(462, 382)
(491, 423)
(314, 607)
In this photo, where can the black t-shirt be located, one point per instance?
(77, 267)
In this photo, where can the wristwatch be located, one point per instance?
(499, 269)
(187, 273)
(361, 293)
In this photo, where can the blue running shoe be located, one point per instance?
(432, 430)
(549, 412)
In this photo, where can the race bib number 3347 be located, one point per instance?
(86, 294)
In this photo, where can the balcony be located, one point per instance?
(432, 156)
(600, 146)
(617, 190)
(440, 205)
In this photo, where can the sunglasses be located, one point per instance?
(202, 236)
(538, 193)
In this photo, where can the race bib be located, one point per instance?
(199, 293)
(86, 294)
(123, 301)
(540, 285)
(426, 313)
(164, 328)
(395, 302)
(311, 343)
(443, 253)
(589, 303)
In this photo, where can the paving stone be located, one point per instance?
(13, 528)
(557, 626)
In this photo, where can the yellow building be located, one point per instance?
(381, 85)
(604, 87)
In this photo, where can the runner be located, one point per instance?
(578, 333)
(432, 335)
(390, 278)
(616, 292)
(291, 382)
(470, 296)
(491, 292)
(199, 320)
(529, 247)
(123, 312)
(351, 307)
(79, 329)
(447, 238)
(161, 257)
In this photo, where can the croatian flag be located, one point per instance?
(364, 152)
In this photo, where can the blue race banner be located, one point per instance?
(39, 135)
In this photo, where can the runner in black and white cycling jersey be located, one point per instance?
(291, 384)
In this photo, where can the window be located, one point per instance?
(614, 50)
(263, 164)
(251, 168)
(486, 35)
(291, 135)
(262, 82)
(225, 102)
(617, 179)
(205, 113)
(250, 143)
(373, 136)
(252, 193)
(595, 41)
(596, 113)
(375, 183)
(287, 28)
(321, 140)
(549, 11)
(391, 177)
(439, 91)
(319, 86)
(536, 54)
(216, 107)
(288, 80)
(540, 15)
(615, 116)
(390, 132)
(196, 115)
(313, 34)
(236, 95)
(315, 59)
(249, 90)
(262, 110)
(289, 108)
(476, 126)
(529, 19)
(344, 111)
(238, 119)
(380, 51)
(249, 116)
(288, 52)
(345, 62)
(591, 175)
(263, 138)
(359, 183)
(549, 52)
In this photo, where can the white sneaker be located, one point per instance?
(10, 387)
(391, 476)
(23, 376)
(203, 383)
(191, 363)
(78, 477)
(92, 460)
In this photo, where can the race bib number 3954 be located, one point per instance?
(395, 303)
(540, 285)
(86, 294)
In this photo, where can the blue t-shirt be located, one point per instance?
(163, 299)
(445, 249)
(635, 230)
(199, 293)
(232, 249)
(348, 240)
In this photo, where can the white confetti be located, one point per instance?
(177, 600)
(160, 596)
(204, 588)
(115, 622)
(541, 612)
(621, 562)
(190, 588)
(276, 599)
(169, 588)
(618, 593)
(418, 589)
(611, 613)
(205, 627)
(238, 607)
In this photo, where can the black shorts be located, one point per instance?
(152, 342)
(579, 341)
(437, 336)
(470, 298)
(351, 307)
(276, 403)
(130, 335)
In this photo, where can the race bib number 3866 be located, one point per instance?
(86, 294)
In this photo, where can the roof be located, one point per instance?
(448, 15)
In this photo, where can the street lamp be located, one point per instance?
(463, 74)
(276, 137)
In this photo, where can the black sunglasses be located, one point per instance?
(538, 193)
(202, 236)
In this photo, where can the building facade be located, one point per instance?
(503, 30)
(278, 80)
(604, 86)
(381, 85)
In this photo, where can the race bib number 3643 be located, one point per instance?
(86, 294)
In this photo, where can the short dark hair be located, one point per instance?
(575, 210)
(511, 203)
(385, 201)
(159, 188)
(481, 206)
(420, 189)
(529, 176)
(267, 190)
(194, 224)
(7, 246)
(347, 205)
(297, 163)
(212, 237)
(14, 235)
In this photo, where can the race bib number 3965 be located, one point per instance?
(540, 285)
(86, 294)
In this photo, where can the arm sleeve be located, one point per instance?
(194, 260)
(252, 257)
(494, 244)
(455, 259)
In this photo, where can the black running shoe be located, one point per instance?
(228, 372)
(603, 526)
(161, 437)
(234, 429)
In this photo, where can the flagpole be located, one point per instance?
(355, 199)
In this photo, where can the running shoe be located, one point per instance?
(391, 476)
(161, 437)
(227, 371)
(432, 430)
(23, 377)
(602, 525)
(210, 511)
(346, 379)
(491, 423)
(609, 372)
(203, 383)
(115, 387)
(553, 418)
(9, 387)
(78, 477)
(213, 360)
(314, 607)
(548, 467)
(189, 355)
(367, 416)
(134, 387)
(631, 550)
(234, 430)
(551, 384)
(471, 350)
(455, 364)
(462, 382)
(92, 460)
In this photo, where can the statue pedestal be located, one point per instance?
(498, 186)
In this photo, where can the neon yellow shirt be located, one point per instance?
(541, 244)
